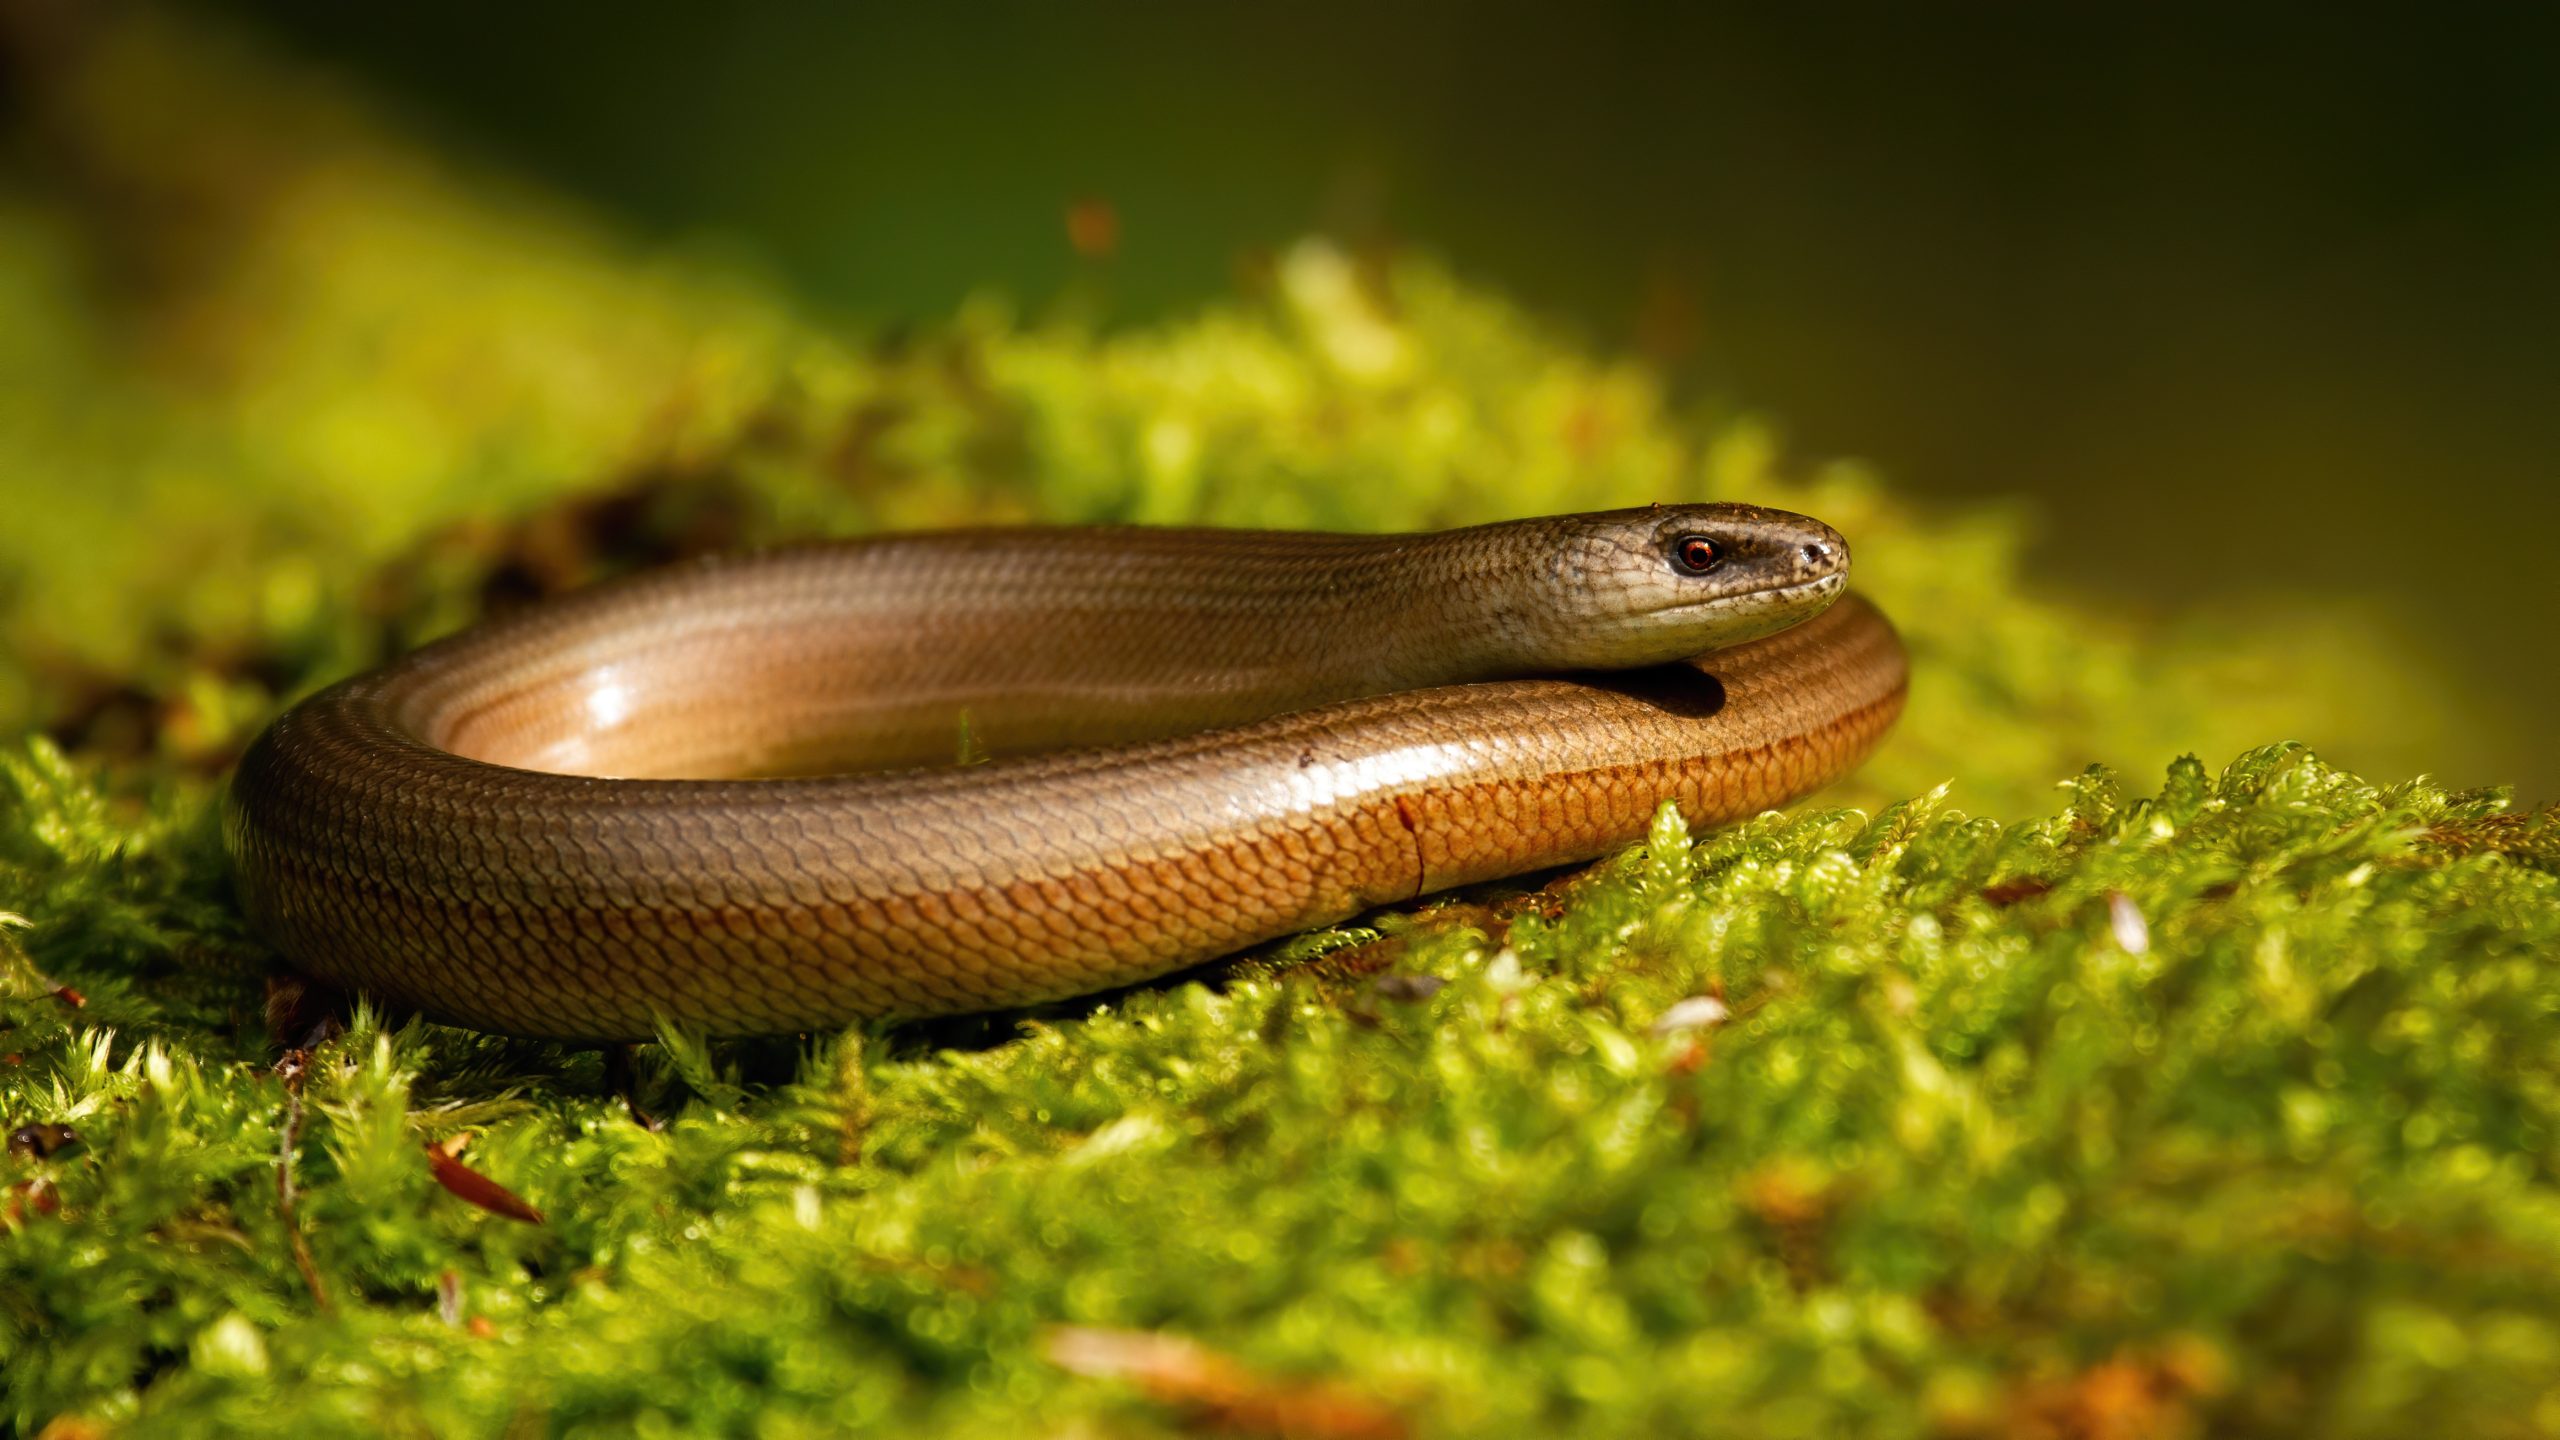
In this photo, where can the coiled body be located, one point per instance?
(440, 833)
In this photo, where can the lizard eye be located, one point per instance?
(1694, 555)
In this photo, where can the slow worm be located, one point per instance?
(1200, 740)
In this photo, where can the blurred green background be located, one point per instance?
(2252, 308)
(2243, 323)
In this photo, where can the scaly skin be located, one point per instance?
(435, 833)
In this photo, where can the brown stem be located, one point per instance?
(292, 1067)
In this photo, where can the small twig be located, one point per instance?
(292, 1067)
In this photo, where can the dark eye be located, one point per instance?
(1694, 554)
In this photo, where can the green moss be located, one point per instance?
(2229, 1107)
(2246, 1088)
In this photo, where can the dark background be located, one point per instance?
(2243, 306)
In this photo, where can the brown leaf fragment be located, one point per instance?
(2015, 890)
(2139, 1395)
(1218, 1393)
(29, 1197)
(38, 1142)
(473, 1187)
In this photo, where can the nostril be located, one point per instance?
(1817, 553)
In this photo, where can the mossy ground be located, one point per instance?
(2235, 1106)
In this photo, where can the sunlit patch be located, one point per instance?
(608, 704)
(1348, 780)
